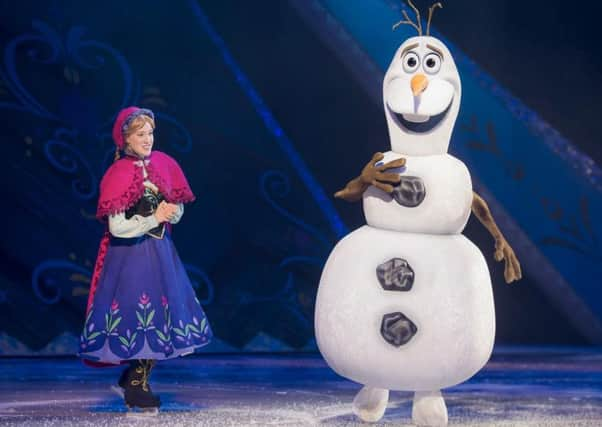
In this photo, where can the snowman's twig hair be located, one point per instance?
(408, 22)
(417, 25)
(431, 10)
(418, 20)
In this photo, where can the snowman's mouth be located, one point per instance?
(420, 124)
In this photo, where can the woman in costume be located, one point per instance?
(142, 307)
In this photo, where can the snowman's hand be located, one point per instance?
(503, 251)
(371, 175)
(369, 171)
(387, 188)
(397, 163)
(377, 175)
(383, 179)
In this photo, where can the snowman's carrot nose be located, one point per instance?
(419, 83)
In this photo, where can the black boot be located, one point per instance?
(137, 392)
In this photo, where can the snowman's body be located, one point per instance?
(447, 190)
(405, 302)
(450, 300)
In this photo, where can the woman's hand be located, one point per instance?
(166, 212)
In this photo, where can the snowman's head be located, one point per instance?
(421, 94)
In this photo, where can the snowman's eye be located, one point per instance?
(411, 61)
(432, 63)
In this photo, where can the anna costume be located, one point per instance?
(142, 305)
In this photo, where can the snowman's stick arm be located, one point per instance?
(353, 190)
(371, 175)
(503, 250)
(482, 212)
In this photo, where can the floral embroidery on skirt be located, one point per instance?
(144, 306)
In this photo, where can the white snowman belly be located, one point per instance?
(434, 197)
(363, 327)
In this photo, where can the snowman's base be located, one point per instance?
(370, 403)
(428, 409)
(428, 333)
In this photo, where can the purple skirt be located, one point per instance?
(144, 306)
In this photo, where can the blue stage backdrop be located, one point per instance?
(255, 241)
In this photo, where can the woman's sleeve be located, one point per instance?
(135, 226)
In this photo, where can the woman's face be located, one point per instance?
(140, 143)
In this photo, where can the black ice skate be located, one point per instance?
(137, 392)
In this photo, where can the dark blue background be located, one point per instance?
(256, 239)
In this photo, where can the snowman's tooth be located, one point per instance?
(416, 118)
(395, 275)
(397, 329)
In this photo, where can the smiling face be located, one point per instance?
(421, 94)
(139, 138)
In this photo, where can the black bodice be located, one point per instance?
(146, 206)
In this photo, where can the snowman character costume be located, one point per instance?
(405, 302)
